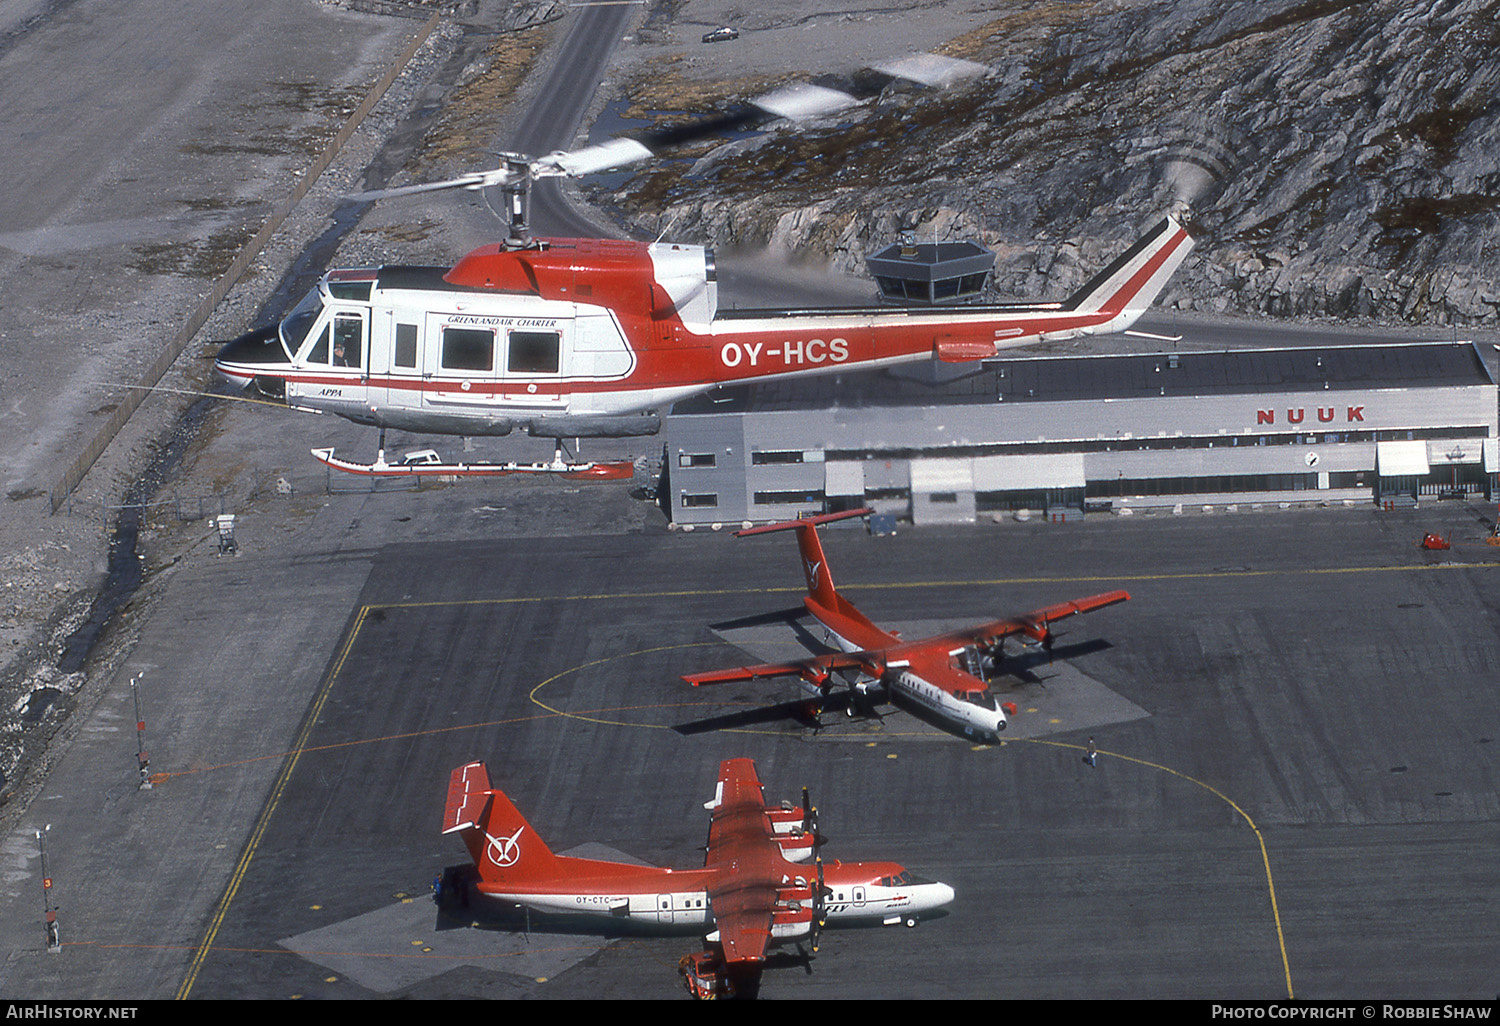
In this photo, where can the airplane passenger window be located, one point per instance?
(534, 352)
(468, 349)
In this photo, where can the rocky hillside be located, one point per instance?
(1338, 158)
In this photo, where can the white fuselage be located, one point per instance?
(967, 719)
(849, 903)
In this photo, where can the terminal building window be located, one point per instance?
(702, 500)
(696, 459)
(1104, 489)
(792, 496)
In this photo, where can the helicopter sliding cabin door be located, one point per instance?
(483, 362)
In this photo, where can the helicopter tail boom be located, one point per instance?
(1128, 286)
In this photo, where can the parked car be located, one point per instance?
(720, 35)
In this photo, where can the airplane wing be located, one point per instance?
(814, 670)
(743, 848)
(1035, 625)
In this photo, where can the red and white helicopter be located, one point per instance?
(580, 338)
(940, 678)
(754, 890)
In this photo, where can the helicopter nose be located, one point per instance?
(258, 347)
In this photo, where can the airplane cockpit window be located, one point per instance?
(534, 352)
(983, 699)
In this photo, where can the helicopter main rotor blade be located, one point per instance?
(601, 157)
(797, 102)
(931, 69)
(475, 180)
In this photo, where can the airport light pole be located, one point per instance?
(54, 939)
(142, 759)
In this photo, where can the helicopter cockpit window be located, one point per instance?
(348, 340)
(295, 326)
(534, 352)
(468, 349)
(319, 352)
(359, 290)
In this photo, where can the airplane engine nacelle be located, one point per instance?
(1039, 632)
(791, 921)
(796, 847)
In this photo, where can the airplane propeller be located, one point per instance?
(820, 912)
(810, 820)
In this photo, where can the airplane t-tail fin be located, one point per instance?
(505, 848)
(814, 563)
(1127, 287)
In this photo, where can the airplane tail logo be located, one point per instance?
(504, 851)
(505, 848)
(814, 563)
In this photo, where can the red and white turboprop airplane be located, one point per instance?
(585, 338)
(754, 891)
(941, 677)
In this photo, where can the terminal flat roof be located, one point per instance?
(1131, 376)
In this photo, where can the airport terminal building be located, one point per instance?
(1394, 424)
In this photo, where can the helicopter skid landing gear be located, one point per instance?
(427, 463)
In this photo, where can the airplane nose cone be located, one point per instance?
(942, 894)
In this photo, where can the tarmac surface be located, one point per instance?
(1315, 714)
(1296, 793)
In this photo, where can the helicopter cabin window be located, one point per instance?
(406, 346)
(348, 340)
(468, 349)
(534, 352)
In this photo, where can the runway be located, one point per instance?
(1307, 807)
